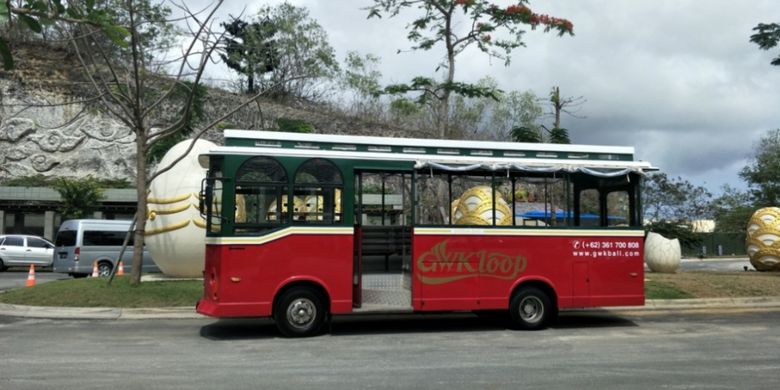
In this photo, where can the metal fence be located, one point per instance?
(717, 244)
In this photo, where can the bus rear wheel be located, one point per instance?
(530, 309)
(300, 312)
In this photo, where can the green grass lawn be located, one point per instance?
(660, 290)
(96, 292)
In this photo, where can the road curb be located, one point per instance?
(87, 313)
(667, 304)
(174, 313)
(97, 313)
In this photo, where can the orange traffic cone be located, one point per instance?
(94, 270)
(121, 270)
(30, 277)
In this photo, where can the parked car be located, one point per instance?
(22, 250)
(83, 243)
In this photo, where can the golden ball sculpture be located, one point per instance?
(763, 239)
(475, 207)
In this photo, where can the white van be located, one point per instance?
(82, 243)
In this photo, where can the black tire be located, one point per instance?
(2, 266)
(300, 312)
(104, 269)
(530, 309)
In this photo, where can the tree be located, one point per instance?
(527, 118)
(458, 25)
(37, 14)
(153, 105)
(80, 197)
(674, 199)
(305, 56)
(671, 205)
(198, 94)
(249, 49)
(566, 105)
(361, 77)
(732, 210)
(761, 172)
(532, 130)
(767, 37)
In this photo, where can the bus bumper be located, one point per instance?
(210, 308)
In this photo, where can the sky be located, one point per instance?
(678, 80)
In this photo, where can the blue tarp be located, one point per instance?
(541, 214)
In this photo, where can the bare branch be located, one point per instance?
(202, 27)
(211, 125)
(95, 84)
(50, 16)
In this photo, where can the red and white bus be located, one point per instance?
(302, 226)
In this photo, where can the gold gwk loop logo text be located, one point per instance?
(490, 264)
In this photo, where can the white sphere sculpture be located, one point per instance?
(175, 231)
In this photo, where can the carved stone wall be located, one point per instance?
(38, 135)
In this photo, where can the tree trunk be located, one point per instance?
(556, 100)
(250, 83)
(140, 226)
(443, 114)
(444, 109)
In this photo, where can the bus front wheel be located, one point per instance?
(530, 309)
(300, 312)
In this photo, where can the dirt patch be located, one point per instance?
(722, 284)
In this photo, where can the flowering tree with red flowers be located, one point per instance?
(457, 25)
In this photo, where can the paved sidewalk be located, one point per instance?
(107, 313)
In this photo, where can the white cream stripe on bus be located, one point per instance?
(280, 234)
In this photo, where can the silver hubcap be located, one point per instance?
(531, 309)
(301, 313)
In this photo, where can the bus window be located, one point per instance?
(618, 208)
(590, 210)
(431, 194)
(384, 199)
(261, 190)
(317, 192)
(541, 201)
(472, 202)
(210, 204)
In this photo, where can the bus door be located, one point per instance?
(383, 230)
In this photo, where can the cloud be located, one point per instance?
(677, 79)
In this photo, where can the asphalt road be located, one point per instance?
(716, 350)
(735, 265)
(15, 277)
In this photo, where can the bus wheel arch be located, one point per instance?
(301, 308)
(533, 305)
